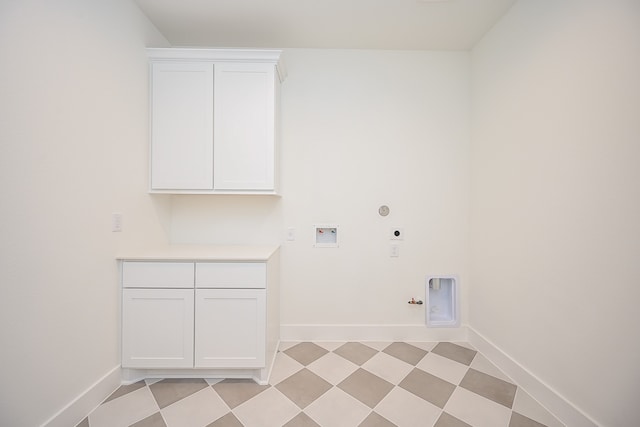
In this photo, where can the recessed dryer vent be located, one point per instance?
(442, 301)
(325, 236)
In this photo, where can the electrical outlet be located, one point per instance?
(291, 234)
(395, 251)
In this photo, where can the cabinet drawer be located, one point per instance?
(138, 274)
(231, 275)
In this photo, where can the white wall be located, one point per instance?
(73, 132)
(556, 198)
(359, 129)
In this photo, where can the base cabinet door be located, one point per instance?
(230, 328)
(157, 328)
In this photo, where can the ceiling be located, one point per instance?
(331, 24)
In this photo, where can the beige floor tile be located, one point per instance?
(154, 420)
(283, 367)
(84, 423)
(170, 391)
(407, 410)
(376, 420)
(455, 352)
(302, 420)
(124, 389)
(306, 352)
(285, 345)
(125, 410)
(476, 410)
(337, 409)
(303, 387)
(447, 420)
(378, 345)
(237, 391)
(196, 410)
(405, 352)
(518, 420)
(428, 387)
(228, 420)
(366, 387)
(356, 352)
(490, 387)
(425, 345)
(442, 367)
(526, 405)
(482, 364)
(388, 367)
(330, 345)
(333, 368)
(268, 408)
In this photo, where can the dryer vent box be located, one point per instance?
(325, 236)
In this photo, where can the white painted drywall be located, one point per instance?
(556, 198)
(73, 132)
(359, 129)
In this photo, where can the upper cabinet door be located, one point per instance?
(244, 135)
(182, 125)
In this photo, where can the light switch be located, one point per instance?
(291, 234)
(116, 222)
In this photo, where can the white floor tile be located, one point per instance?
(476, 410)
(125, 410)
(526, 405)
(268, 408)
(336, 408)
(407, 410)
(283, 367)
(442, 367)
(197, 410)
(388, 367)
(482, 364)
(332, 368)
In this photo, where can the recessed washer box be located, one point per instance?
(325, 235)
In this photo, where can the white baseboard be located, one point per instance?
(555, 403)
(418, 333)
(87, 401)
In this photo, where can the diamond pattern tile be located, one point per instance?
(306, 352)
(455, 352)
(406, 352)
(490, 387)
(356, 352)
(366, 387)
(375, 420)
(236, 392)
(354, 384)
(428, 387)
(170, 391)
(303, 387)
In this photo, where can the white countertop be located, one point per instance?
(200, 253)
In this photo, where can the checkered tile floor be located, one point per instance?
(338, 384)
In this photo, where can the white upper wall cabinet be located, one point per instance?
(214, 120)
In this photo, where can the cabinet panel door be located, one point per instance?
(230, 328)
(231, 275)
(182, 126)
(244, 126)
(157, 328)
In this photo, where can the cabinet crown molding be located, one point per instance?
(268, 56)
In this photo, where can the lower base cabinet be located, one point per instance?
(199, 320)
